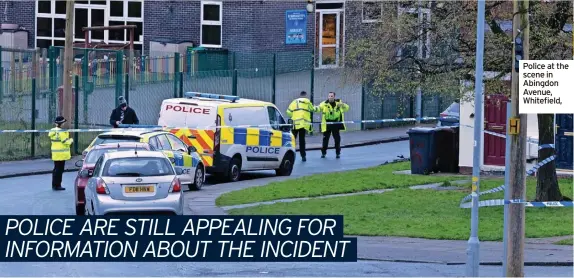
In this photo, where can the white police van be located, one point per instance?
(231, 134)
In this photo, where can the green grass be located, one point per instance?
(568, 241)
(18, 146)
(427, 213)
(380, 177)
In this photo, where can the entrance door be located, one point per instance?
(563, 141)
(494, 121)
(89, 16)
(329, 27)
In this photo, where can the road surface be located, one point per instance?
(33, 196)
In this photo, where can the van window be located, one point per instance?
(248, 116)
(275, 118)
(184, 114)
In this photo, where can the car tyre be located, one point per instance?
(80, 210)
(286, 167)
(199, 178)
(234, 171)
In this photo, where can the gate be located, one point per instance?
(564, 144)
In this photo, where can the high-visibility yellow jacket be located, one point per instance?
(330, 113)
(300, 112)
(61, 143)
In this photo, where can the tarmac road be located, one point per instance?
(32, 195)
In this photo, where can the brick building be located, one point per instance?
(234, 25)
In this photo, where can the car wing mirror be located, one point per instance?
(290, 121)
(85, 173)
(178, 171)
(79, 163)
(191, 149)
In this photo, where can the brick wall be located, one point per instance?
(253, 28)
(21, 13)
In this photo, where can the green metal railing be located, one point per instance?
(31, 98)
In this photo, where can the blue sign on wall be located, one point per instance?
(296, 27)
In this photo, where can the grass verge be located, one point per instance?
(380, 177)
(568, 241)
(427, 213)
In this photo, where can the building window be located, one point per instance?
(211, 24)
(51, 21)
(372, 11)
(421, 47)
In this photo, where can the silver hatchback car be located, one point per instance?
(133, 182)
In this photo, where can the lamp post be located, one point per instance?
(311, 11)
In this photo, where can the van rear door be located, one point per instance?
(192, 123)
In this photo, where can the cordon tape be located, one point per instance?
(501, 202)
(153, 127)
(486, 203)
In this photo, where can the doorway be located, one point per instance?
(329, 38)
(495, 121)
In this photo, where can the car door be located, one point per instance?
(188, 163)
(277, 133)
(175, 157)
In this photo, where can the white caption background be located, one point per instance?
(546, 87)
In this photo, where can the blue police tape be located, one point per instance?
(501, 202)
(502, 187)
(152, 127)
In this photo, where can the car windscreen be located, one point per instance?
(138, 167)
(93, 155)
(115, 139)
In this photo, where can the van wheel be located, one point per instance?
(80, 210)
(198, 180)
(234, 171)
(286, 165)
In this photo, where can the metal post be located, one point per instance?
(473, 259)
(274, 80)
(76, 112)
(33, 125)
(1, 77)
(418, 99)
(506, 187)
(180, 84)
(127, 89)
(175, 73)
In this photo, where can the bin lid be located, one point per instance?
(421, 130)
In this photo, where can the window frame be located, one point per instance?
(203, 22)
(107, 18)
(175, 141)
(363, 20)
(280, 121)
(420, 18)
(52, 15)
(163, 148)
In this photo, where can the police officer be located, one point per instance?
(61, 143)
(300, 112)
(333, 110)
(123, 114)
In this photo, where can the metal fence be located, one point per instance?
(31, 89)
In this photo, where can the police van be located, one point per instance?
(231, 134)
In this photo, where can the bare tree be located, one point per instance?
(390, 58)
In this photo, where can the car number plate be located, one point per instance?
(139, 189)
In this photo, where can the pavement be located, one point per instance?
(380, 256)
(10, 169)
